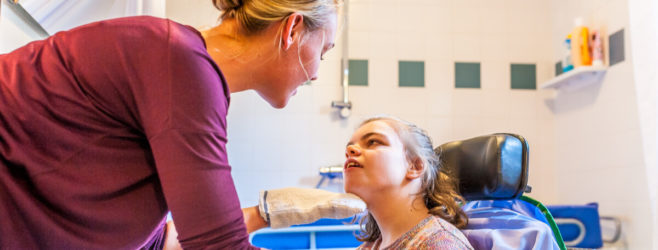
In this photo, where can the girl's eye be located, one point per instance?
(372, 142)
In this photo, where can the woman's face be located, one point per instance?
(298, 64)
(376, 160)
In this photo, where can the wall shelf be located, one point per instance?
(577, 77)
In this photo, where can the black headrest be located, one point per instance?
(490, 167)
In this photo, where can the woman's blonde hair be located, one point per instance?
(253, 16)
(438, 190)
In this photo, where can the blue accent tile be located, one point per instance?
(358, 75)
(411, 73)
(467, 75)
(524, 76)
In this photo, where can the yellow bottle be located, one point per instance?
(580, 49)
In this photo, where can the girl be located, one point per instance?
(412, 204)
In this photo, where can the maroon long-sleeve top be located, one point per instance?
(105, 128)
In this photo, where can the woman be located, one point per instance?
(412, 204)
(107, 127)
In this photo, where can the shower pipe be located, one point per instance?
(16, 7)
(344, 106)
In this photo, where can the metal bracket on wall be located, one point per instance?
(16, 7)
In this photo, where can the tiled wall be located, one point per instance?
(276, 148)
(598, 129)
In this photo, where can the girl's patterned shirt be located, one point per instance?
(431, 233)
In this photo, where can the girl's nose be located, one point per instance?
(352, 150)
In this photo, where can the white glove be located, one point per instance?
(292, 206)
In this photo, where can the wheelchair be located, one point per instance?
(492, 175)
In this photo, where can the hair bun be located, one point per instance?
(227, 5)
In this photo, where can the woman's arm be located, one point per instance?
(252, 219)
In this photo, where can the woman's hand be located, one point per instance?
(252, 219)
(171, 240)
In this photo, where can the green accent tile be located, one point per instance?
(524, 76)
(616, 48)
(411, 74)
(558, 68)
(467, 75)
(358, 75)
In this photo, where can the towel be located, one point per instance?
(293, 206)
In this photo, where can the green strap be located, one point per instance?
(549, 218)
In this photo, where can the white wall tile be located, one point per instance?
(439, 46)
(440, 17)
(497, 104)
(467, 47)
(385, 16)
(495, 75)
(523, 103)
(383, 45)
(360, 16)
(464, 127)
(405, 100)
(522, 48)
(439, 129)
(467, 102)
(440, 103)
(383, 73)
(359, 47)
(494, 47)
(411, 45)
(492, 125)
(494, 19)
(408, 17)
(467, 20)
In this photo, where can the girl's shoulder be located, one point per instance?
(436, 233)
(443, 235)
(431, 233)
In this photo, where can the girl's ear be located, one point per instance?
(292, 30)
(416, 169)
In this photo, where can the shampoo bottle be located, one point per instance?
(580, 45)
(567, 63)
(597, 49)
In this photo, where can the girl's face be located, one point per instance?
(376, 160)
(298, 64)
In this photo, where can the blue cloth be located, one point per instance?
(507, 224)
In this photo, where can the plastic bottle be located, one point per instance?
(567, 63)
(597, 49)
(580, 54)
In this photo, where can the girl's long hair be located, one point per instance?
(439, 190)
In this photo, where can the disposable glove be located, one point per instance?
(292, 206)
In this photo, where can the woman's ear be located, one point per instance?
(416, 169)
(292, 30)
